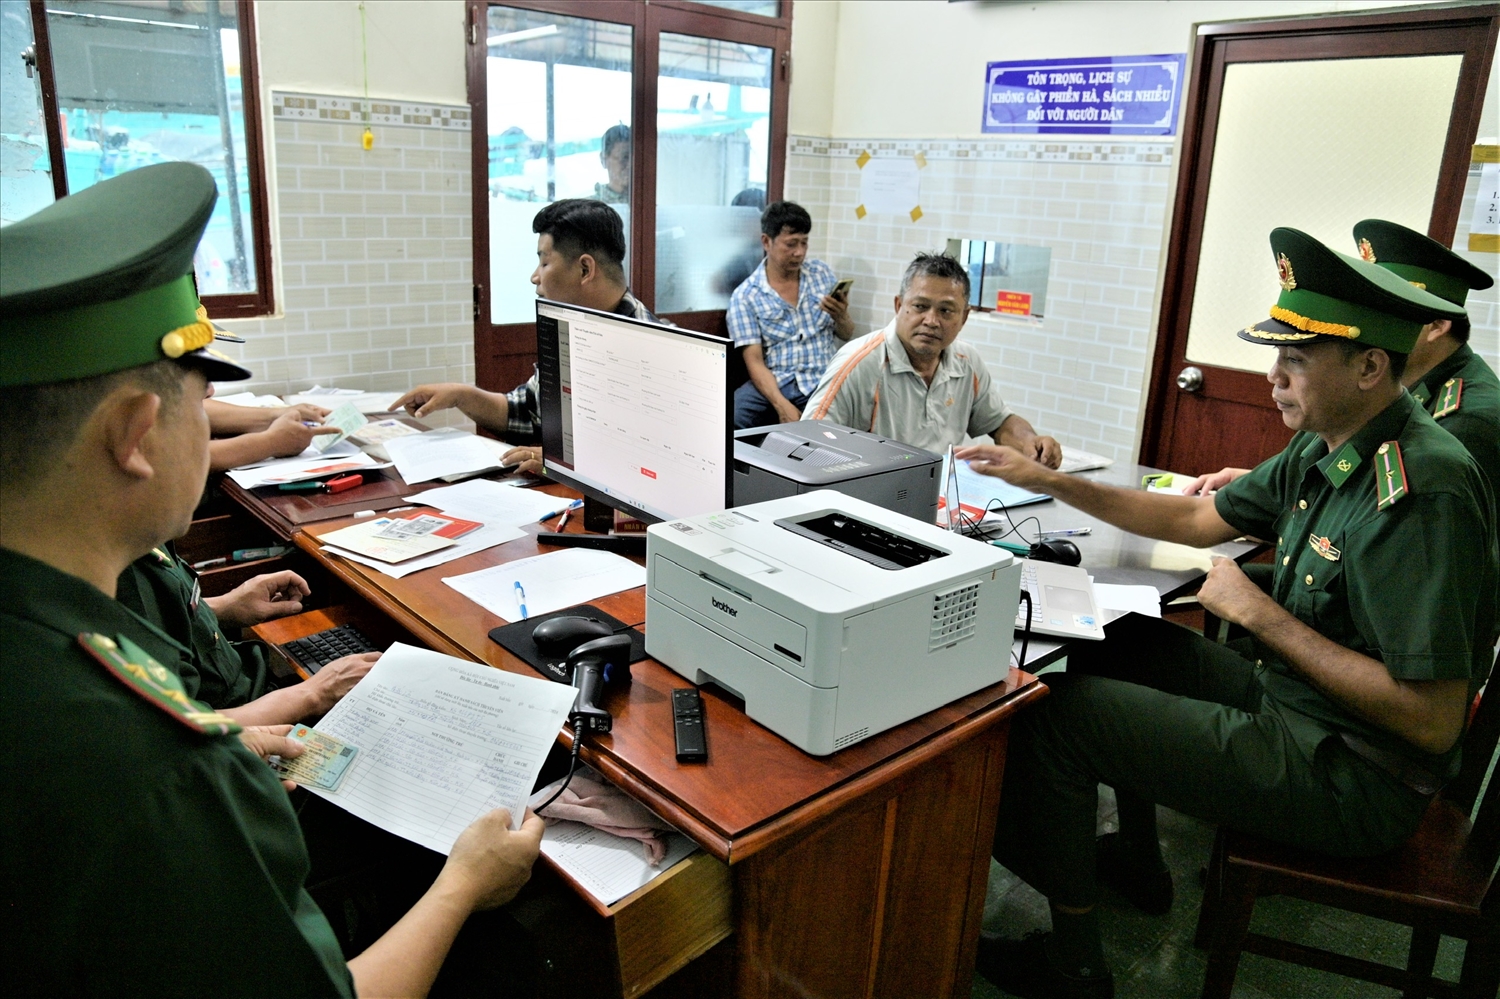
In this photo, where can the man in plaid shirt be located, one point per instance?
(580, 250)
(786, 321)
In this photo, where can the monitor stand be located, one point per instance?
(621, 544)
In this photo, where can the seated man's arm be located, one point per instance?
(488, 865)
(1186, 520)
(1429, 714)
(308, 699)
(1016, 432)
(765, 383)
(225, 418)
(287, 436)
(488, 409)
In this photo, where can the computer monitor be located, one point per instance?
(634, 414)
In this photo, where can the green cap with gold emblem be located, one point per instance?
(1327, 295)
(1425, 262)
(101, 280)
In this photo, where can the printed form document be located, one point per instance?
(441, 742)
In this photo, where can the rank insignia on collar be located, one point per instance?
(157, 685)
(1284, 273)
(1449, 397)
(1324, 547)
(161, 556)
(1366, 251)
(1390, 475)
(1344, 464)
(1421, 394)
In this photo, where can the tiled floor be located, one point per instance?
(1154, 957)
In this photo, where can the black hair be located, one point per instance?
(1460, 329)
(614, 136)
(938, 265)
(583, 225)
(54, 414)
(1397, 360)
(781, 215)
(751, 197)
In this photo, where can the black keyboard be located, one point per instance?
(316, 651)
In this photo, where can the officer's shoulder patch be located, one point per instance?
(1390, 475)
(161, 556)
(159, 686)
(1450, 396)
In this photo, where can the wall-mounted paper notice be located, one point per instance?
(441, 742)
(1484, 227)
(892, 185)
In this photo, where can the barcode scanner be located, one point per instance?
(593, 665)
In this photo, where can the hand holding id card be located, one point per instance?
(323, 762)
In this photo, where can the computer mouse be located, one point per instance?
(558, 636)
(1057, 550)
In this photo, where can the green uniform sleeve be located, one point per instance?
(1253, 504)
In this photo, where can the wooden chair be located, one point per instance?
(1441, 881)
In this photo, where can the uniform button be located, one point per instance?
(1285, 559)
(1259, 663)
(1302, 504)
(1308, 580)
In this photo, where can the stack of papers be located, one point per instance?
(385, 539)
(271, 473)
(1115, 600)
(545, 583)
(333, 398)
(608, 867)
(491, 502)
(1076, 460)
(441, 742)
(438, 454)
(250, 399)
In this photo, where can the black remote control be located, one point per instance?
(687, 715)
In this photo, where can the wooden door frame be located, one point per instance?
(1344, 36)
(503, 353)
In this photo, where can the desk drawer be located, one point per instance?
(658, 929)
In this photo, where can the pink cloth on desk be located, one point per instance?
(592, 800)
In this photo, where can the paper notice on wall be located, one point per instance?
(1484, 227)
(890, 185)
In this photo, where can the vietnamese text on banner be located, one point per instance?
(1107, 95)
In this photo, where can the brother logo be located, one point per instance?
(721, 605)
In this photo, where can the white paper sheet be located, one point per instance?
(552, 581)
(477, 540)
(248, 399)
(441, 742)
(423, 457)
(1077, 460)
(1115, 600)
(347, 419)
(299, 468)
(333, 398)
(608, 866)
(890, 185)
(490, 502)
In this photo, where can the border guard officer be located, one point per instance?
(1333, 725)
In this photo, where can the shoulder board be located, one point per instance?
(161, 556)
(1390, 475)
(1449, 397)
(155, 683)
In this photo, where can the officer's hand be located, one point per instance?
(307, 412)
(263, 598)
(489, 862)
(426, 399)
(1045, 450)
(289, 435)
(1232, 596)
(1203, 485)
(267, 741)
(529, 458)
(337, 678)
(786, 412)
(1003, 463)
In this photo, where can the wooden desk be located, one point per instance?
(285, 513)
(858, 874)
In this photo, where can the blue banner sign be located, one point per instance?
(1109, 95)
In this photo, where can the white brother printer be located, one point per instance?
(834, 619)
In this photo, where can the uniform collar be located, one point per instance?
(1340, 466)
(62, 602)
(1450, 366)
(899, 360)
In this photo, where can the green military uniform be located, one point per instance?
(145, 850)
(1461, 391)
(1386, 546)
(160, 587)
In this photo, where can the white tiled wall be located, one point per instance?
(1078, 373)
(375, 250)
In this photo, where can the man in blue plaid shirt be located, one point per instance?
(786, 321)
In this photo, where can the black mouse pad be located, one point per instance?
(516, 638)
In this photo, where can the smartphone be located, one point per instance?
(841, 290)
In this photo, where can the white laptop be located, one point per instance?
(1062, 601)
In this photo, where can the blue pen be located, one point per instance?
(521, 599)
(557, 513)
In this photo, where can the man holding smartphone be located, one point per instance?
(788, 319)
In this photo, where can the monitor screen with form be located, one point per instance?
(635, 414)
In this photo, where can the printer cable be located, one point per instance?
(1025, 633)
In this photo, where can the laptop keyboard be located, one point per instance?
(318, 650)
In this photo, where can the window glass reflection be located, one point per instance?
(25, 169)
(559, 95)
(712, 161)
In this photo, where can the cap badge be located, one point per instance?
(1366, 251)
(1284, 273)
